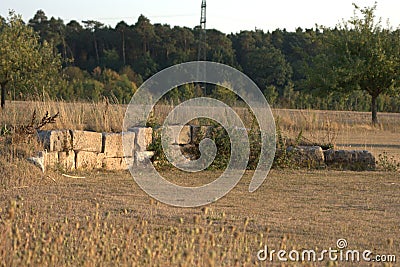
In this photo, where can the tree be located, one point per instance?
(220, 48)
(93, 26)
(56, 35)
(145, 65)
(186, 49)
(110, 59)
(73, 31)
(26, 64)
(74, 74)
(360, 55)
(122, 27)
(115, 86)
(132, 76)
(145, 31)
(222, 93)
(52, 30)
(267, 66)
(39, 23)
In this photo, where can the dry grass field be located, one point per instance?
(106, 219)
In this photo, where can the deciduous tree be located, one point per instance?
(360, 54)
(26, 64)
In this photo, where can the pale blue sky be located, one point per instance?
(226, 16)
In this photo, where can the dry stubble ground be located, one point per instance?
(291, 210)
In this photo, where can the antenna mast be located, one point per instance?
(203, 36)
(202, 53)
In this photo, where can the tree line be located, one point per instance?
(354, 66)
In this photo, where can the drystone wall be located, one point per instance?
(83, 150)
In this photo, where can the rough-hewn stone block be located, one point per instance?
(55, 140)
(50, 159)
(141, 156)
(190, 151)
(350, 159)
(179, 136)
(116, 164)
(113, 147)
(66, 160)
(86, 141)
(143, 137)
(307, 156)
(86, 160)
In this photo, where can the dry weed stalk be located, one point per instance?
(35, 125)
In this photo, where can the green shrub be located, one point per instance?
(388, 163)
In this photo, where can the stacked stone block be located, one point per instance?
(307, 156)
(88, 150)
(116, 155)
(83, 150)
(350, 159)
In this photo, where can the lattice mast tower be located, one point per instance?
(203, 34)
(202, 53)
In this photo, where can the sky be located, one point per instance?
(224, 15)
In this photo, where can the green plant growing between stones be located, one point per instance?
(156, 146)
(283, 157)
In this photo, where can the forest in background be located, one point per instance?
(101, 61)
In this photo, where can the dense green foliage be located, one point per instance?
(359, 55)
(317, 68)
(26, 65)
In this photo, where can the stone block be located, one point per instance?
(66, 160)
(141, 156)
(45, 160)
(200, 132)
(113, 147)
(357, 160)
(86, 160)
(51, 159)
(55, 140)
(86, 141)
(307, 156)
(190, 151)
(143, 137)
(179, 136)
(117, 164)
